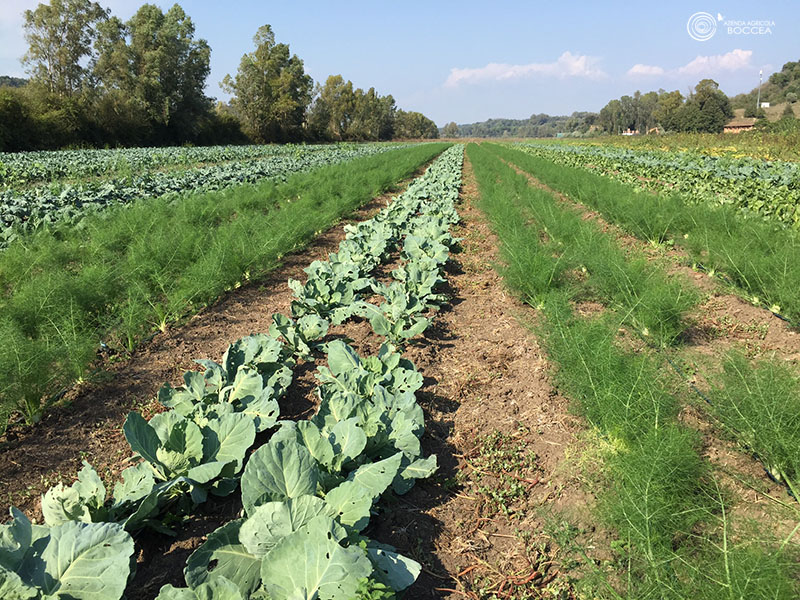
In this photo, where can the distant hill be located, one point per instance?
(8, 81)
(780, 87)
(774, 112)
(540, 125)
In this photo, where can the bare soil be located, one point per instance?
(503, 436)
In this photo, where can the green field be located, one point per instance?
(599, 247)
(115, 277)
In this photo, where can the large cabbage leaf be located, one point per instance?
(90, 561)
(222, 554)
(279, 470)
(311, 563)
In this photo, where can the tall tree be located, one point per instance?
(611, 117)
(450, 130)
(334, 109)
(155, 61)
(373, 116)
(271, 90)
(113, 65)
(17, 129)
(414, 125)
(339, 112)
(667, 110)
(59, 36)
(319, 116)
(707, 109)
(647, 106)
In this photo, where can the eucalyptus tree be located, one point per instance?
(271, 90)
(154, 62)
(60, 36)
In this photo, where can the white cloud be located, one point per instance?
(731, 61)
(734, 60)
(567, 65)
(645, 70)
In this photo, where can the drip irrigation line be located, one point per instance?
(692, 386)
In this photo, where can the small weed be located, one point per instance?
(504, 468)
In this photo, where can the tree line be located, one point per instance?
(96, 80)
(705, 109)
(538, 125)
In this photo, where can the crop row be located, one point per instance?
(756, 402)
(759, 258)
(676, 535)
(102, 287)
(21, 169)
(308, 493)
(768, 188)
(33, 208)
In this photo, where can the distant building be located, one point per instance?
(631, 132)
(739, 124)
(765, 105)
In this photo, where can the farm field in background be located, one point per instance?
(754, 144)
(765, 188)
(518, 370)
(45, 189)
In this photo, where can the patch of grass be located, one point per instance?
(504, 470)
(125, 273)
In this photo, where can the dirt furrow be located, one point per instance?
(504, 437)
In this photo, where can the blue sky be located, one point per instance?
(469, 61)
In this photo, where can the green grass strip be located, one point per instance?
(760, 258)
(121, 275)
(671, 517)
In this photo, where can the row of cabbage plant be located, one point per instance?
(307, 493)
(33, 208)
(767, 189)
